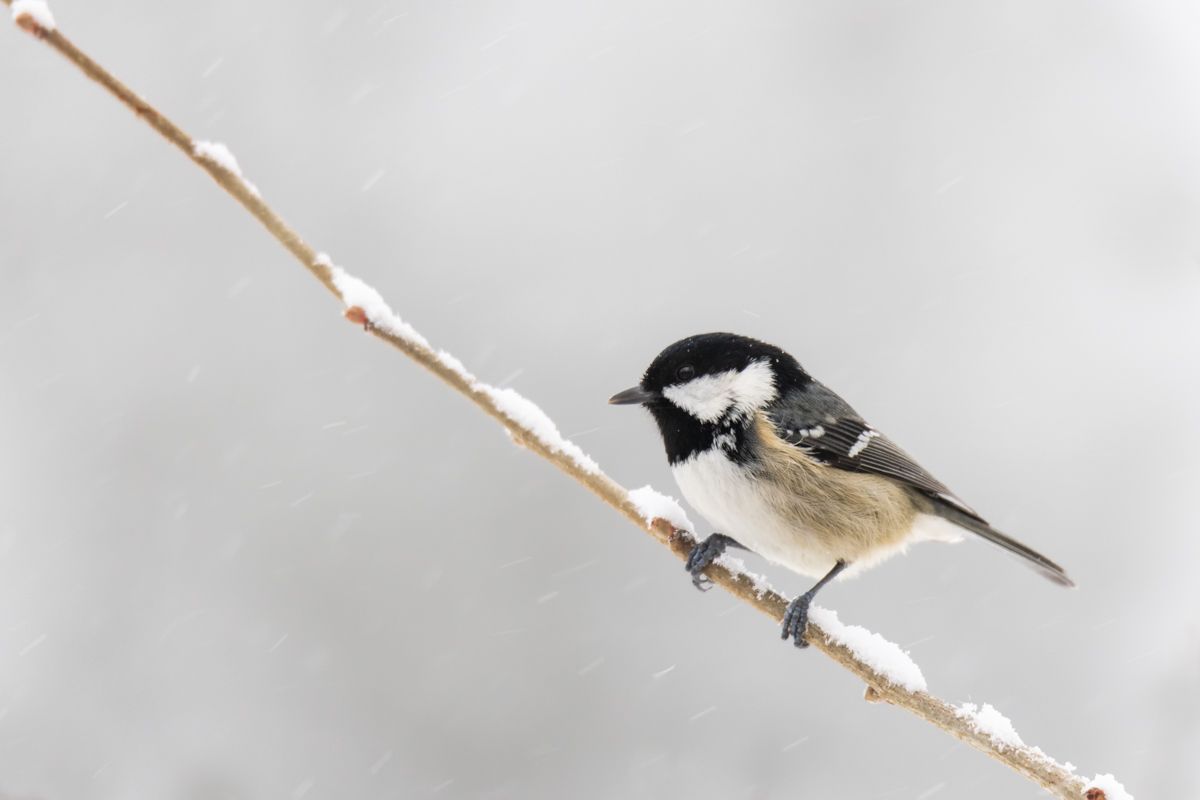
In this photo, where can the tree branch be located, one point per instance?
(527, 426)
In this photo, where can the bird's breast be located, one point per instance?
(795, 511)
(739, 504)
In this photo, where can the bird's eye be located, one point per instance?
(685, 373)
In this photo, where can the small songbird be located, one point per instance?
(785, 468)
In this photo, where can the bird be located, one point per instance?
(785, 468)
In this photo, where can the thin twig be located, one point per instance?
(1028, 762)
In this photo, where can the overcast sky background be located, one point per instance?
(246, 552)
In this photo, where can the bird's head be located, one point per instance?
(714, 377)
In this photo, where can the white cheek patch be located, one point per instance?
(710, 397)
(755, 387)
(706, 398)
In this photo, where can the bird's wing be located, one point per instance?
(827, 429)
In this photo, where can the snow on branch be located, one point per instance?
(34, 16)
(890, 675)
(366, 307)
(1106, 787)
(883, 656)
(654, 505)
(218, 154)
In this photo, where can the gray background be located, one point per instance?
(246, 552)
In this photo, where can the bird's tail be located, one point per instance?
(1032, 557)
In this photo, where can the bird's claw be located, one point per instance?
(795, 620)
(702, 557)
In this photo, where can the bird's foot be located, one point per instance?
(702, 557)
(795, 619)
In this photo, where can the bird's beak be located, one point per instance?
(635, 396)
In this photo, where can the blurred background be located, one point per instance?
(246, 552)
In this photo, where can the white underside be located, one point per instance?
(735, 504)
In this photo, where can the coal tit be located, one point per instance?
(787, 469)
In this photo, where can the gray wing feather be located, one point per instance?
(827, 429)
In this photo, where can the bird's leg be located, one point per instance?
(795, 619)
(703, 555)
